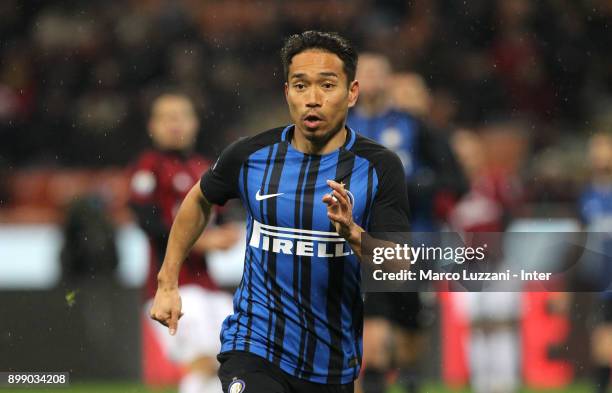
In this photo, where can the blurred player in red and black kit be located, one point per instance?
(160, 180)
(494, 317)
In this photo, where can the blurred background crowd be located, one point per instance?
(520, 90)
(82, 70)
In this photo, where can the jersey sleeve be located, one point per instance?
(436, 155)
(220, 182)
(390, 210)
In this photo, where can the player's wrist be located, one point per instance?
(166, 281)
(166, 285)
(355, 232)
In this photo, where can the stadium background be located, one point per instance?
(76, 78)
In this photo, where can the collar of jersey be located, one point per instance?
(287, 134)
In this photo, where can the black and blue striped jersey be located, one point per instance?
(299, 303)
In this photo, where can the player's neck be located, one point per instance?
(180, 153)
(373, 106)
(308, 146)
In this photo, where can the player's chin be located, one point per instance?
(316, 134)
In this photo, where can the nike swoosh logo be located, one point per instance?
(260, 197)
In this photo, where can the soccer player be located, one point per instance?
(310, 189)
(393, 333)
(494, 317)
(160, 180)
(595, 207)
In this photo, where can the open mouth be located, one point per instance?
(312, 121)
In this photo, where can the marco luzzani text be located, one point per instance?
(412, 255)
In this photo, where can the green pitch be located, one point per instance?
(92, 388)
(137, 388)
(438, 388)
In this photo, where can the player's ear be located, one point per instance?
(353, 93)
(286, 90)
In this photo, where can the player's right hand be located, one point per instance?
(166, 308)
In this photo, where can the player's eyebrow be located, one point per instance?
(301, 75)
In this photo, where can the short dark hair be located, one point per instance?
(326, 41)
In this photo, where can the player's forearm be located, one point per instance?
(353, 238)
(190, 221)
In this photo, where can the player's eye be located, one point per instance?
(328, 85)
(299, 86)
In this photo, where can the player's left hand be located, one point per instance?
(339, 209)
(166, 308)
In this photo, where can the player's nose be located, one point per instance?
(313, 98)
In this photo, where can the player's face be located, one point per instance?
(409, 93)
(600, 155)
(319, 94)
(373, 74)
(173, 124)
